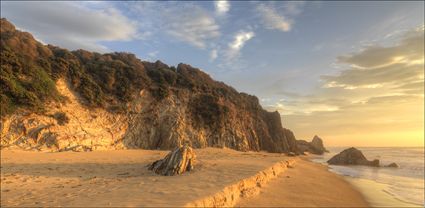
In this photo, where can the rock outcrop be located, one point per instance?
(176, 162)
(352, 156)
(116, 101)
(315, 146)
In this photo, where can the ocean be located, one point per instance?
(405, 184)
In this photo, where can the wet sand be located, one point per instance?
(374, 193)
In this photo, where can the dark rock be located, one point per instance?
(315, 146)
(393, 165)
(176, 162)
(291, 154)
(352, 156)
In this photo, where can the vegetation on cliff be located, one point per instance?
(29, 71)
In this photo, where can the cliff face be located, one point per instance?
(54, 99)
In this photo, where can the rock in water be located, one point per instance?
(352, 156)
(178, 161)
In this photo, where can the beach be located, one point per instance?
(121, 178)
(307, 185)
(385, 187)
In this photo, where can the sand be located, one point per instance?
(120, 178)
(308, 184)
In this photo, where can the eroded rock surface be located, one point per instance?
(352, 156)
(176, 162)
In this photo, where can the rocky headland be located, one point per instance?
(53, 99)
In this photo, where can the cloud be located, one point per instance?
(272, 19)
(410, 49)
(153, 54)
(378, 66)
(240, 39)
(191, 24)
(221, 7)
(213, 55)
(377, 77)
(293, 7)
(235, 46)
(378, 97)
(69, 24)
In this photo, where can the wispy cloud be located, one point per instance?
(378, 66)
(222, 7)
(279, 15)
(293, 7)
(272, 19)
(239, 41)
(185, 22)
(380, 90)
(153, 54)
(191, 24)
(213, 54)
(69, 24)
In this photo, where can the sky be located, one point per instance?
(350, 72)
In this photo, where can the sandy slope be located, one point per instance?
(308, 184)
(119, 177)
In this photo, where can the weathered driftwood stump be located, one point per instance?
(178, 161)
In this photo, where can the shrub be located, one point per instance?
(61, 118)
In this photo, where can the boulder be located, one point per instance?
(315, 146)
(393, 165)
(291, 154)
(352, 156)
(176, 162)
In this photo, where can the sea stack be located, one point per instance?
(352, 156)
(315, 146)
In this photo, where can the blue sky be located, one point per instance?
(285, 53)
